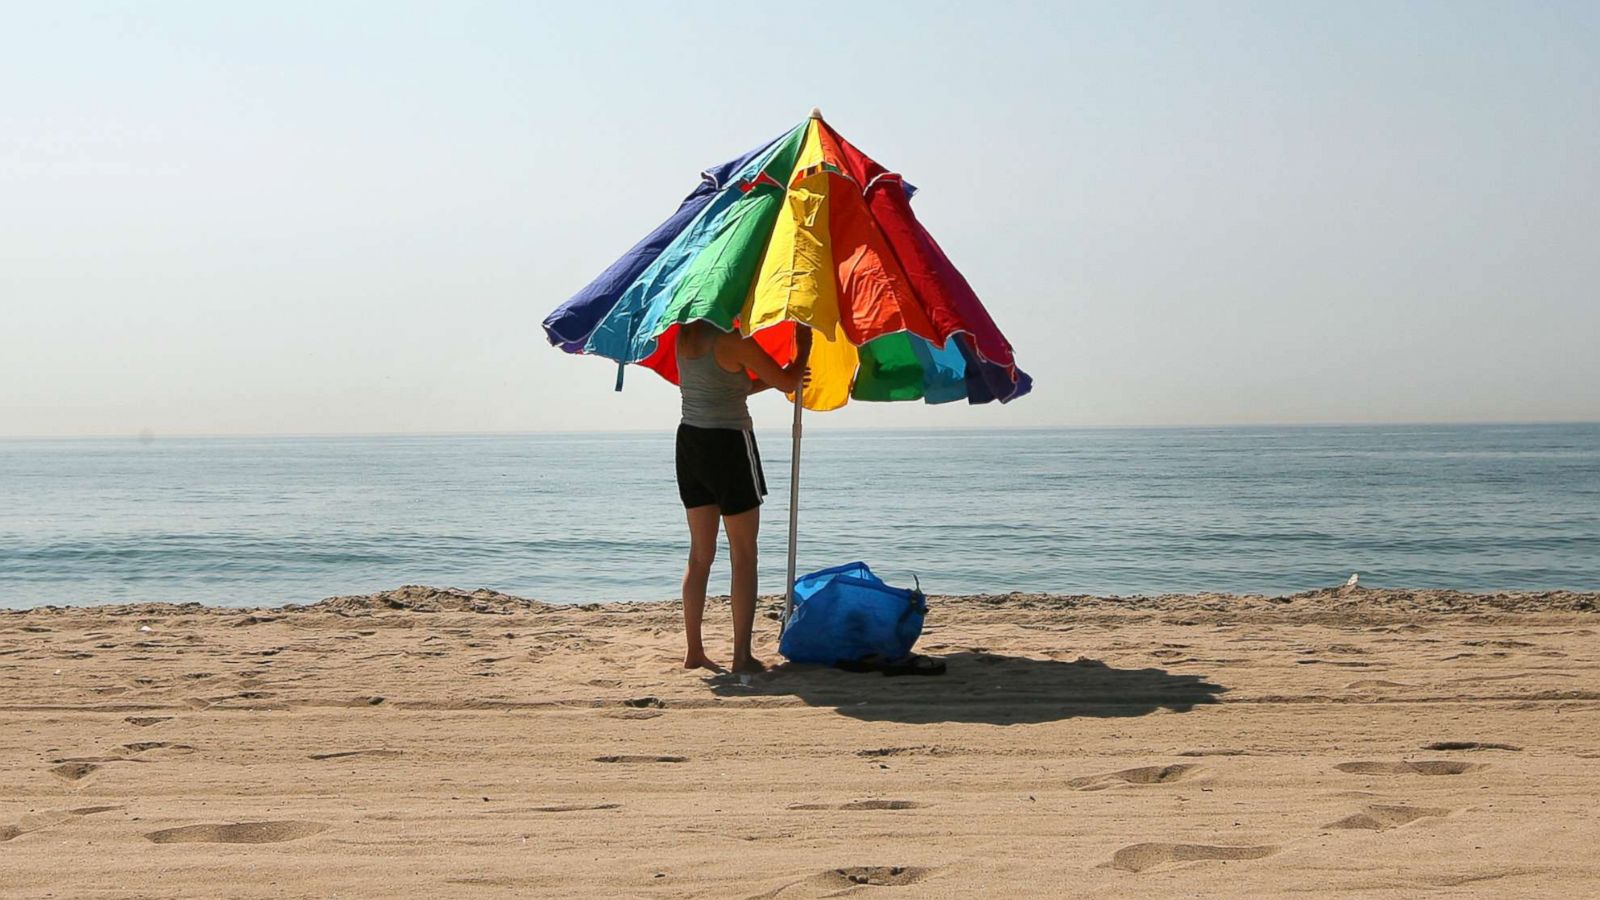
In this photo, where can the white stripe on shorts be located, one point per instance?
(755, 472)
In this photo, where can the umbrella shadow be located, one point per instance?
(986, 688)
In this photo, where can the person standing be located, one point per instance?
(719, 470)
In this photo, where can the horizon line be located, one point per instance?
(151, 435)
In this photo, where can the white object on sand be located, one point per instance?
(1354, 577)
(145, 628)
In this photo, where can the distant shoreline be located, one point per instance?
(1326, 606)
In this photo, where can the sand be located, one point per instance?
(437, 743)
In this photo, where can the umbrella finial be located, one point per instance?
(816, 112)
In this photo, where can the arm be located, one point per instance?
(757, 385)
(768, 373)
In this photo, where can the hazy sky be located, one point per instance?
(351, 217)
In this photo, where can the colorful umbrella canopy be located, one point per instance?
(805, 230)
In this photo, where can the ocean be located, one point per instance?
(592, 517)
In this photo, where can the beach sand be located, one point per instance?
(437, 743)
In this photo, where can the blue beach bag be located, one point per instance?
(846, 613)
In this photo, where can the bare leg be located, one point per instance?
(742, 530)
(702, 550)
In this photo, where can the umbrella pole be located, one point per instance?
(794, 508)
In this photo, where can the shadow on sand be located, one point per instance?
(985, 688)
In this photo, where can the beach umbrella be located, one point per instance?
(804, 231)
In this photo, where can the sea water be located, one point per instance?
(586, 517)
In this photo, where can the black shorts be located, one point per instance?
(719, 466)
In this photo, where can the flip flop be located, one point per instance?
(915, 664)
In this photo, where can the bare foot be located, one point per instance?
(749, 666)
(701, 661)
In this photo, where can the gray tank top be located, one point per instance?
(713, 397)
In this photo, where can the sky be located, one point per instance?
(352, 217)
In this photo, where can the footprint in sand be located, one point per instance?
(882, 804)
(640, 758)
(858, 805)
(1143, 775)
(42, 820)
(1513, 676)
(1424, 767)
(237, 833)
(890, 876)
(366, 700)
(552, 807)
(341, 754)
(918, 750)
(636, 714)
(146, 721)
(1139, 857)
(74, 771)
(143, 746)
(1469, 745)
(253, 619)
(1383, 817)
(843, 881)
